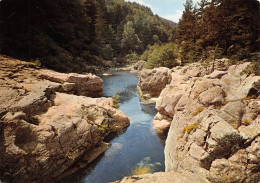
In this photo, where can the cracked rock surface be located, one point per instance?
(152, 82)
(215, 127)
(45, 126)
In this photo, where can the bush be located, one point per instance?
(145, 55)
(140, 170)
(254, 67)
(116, 101)
(149, 51)
(37, 62)
(132, 58)
(162, 56)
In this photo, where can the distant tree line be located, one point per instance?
(67, 35)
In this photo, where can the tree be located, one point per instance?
(130, 39)
(162, 56)
(186, 35)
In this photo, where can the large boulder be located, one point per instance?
(199, 69)
(43, 131)
(78, 84)
(152, 82)
(171, 94)
(138, 66)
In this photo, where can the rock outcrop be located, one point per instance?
(44, 130)
(152, 82)
(215, 131)
(77, 84)
(138, 66)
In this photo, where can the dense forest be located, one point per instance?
(212, 29)
(67, 35)
(231, 27)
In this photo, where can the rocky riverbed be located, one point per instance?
(49, 122)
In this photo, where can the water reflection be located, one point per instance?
(148, 108)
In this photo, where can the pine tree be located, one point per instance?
(186, 35)
(240, 27)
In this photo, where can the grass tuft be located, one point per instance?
(191, 128)
(198, 110)
(116, 101)
(140, 170)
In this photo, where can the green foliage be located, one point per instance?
(191, 128)
(254, 67)
(37, 62)
(161, 56)
(230, 25)
(103, 128)
(140, 170)
(116, 101)
(188, 130)
(149, 51)
(74, 34)
(145, 55)
(198, 110)
(130, 39)
(132, 58)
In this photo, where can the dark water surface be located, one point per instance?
(138, 144)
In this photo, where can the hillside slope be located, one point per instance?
(68, 35)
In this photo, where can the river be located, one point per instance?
(138, 144)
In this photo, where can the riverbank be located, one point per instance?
(49, 122)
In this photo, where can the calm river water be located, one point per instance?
(138, 144)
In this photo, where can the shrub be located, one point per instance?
(253, 68)
(103, 127)
(140, 170)
(145, 55)
(161, 56)
(116, 101)
(37, 62)
(149, 51)
(132, 58)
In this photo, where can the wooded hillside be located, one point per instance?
(225, 27)
(67, 35)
